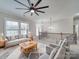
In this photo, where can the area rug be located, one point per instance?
(17, 54)
(23, 56)
(35, 55)
(30, 56)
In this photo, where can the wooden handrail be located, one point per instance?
(56, 33)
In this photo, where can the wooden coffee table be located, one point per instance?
(28, 46)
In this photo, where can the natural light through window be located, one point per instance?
(15, 30)
(12, 28)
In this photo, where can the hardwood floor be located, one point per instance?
(6, 52)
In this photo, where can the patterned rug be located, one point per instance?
(23, 56)
(31, 56)
(35, 55)
(15, 53)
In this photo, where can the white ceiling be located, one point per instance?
(58, 9)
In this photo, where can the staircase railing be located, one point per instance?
(60, 36)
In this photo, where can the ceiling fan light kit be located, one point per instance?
(32, 11)
(32, 8)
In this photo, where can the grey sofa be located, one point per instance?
(52, 54)
(51, 46)
(51, 50)
(59, 52)
(15, 42)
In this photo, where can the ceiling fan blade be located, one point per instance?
(22, 8)
(37, 3)
(29, 2)
(21, 3)
(40, 11)
(26, 12)
(43, 7)
(36, 13)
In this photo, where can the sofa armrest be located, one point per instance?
(53, 45)
(15, 42)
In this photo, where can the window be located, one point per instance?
(24, 29)
(12, 28)
(15, 30)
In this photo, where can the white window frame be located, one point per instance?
(19, 23)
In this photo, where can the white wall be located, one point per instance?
(63, 25)
(15, 18)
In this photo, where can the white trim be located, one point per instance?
(14, 20)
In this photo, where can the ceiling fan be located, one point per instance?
(32, 7)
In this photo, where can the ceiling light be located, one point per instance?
(32, 11)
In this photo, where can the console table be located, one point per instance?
(2, 43)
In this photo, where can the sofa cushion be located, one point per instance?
(53, 53)
(49, 49)
(60, 53)
(15, 42)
